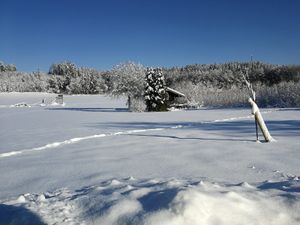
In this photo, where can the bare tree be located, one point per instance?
(128, 80)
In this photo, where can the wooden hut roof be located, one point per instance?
(179, 94)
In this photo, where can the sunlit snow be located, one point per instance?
(91, 161)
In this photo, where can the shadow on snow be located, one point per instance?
(287, 186)
(90, 109)
(158, 200)
(191, 138)
(276, 128)
(18, 215)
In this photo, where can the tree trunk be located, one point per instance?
(129, 102)
(260, 121)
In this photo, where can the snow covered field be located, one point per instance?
(92, 162)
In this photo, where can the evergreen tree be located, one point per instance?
(155, 91)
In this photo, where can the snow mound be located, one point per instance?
(56, 104)
(21, 104)
(176, 202)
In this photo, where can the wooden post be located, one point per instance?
(59, 99)
(129, 103)
(260, 121)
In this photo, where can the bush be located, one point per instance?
(283, 94)
(137, 105)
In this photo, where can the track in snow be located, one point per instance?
(79, 139)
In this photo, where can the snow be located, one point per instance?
(164, 202)
(175, 92)
(93, 162)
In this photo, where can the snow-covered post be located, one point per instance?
(255, 111)
(260, 121)
(253, 94)
(59, 99)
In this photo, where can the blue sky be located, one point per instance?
(99, 34)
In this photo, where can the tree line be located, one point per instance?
(227, 75)
(203, 84)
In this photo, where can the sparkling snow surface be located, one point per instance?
(92, 162)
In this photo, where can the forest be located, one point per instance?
(209, 85)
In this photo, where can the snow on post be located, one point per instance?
(260, 121)
(255, 111)
(59, 99)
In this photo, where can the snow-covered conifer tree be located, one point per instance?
(155, 90)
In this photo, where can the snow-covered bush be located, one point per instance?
(138, 105)
(128, 80)
(283, 94)
(202, 95)
(155, 90)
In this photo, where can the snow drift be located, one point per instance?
(174, 202)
